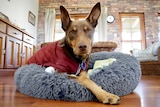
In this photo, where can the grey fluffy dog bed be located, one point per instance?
(120, 78)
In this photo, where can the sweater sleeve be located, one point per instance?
(43, 56)
(37, 58)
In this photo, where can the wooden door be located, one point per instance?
(2, 49)
(27, 52)
(13, 52)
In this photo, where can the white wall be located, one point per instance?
(17, 11)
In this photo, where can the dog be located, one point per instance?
(71, 54)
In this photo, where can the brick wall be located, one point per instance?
(150, 8)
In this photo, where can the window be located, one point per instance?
(59, 33)
(132, 32)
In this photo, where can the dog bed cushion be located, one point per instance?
(120, 77)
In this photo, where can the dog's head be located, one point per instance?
(79, 34)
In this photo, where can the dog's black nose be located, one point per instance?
(82, 47)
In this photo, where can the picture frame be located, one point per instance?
(31, 18)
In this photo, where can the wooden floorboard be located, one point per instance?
(147, 94)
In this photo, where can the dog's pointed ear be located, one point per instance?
(94, 15)
(65, 18)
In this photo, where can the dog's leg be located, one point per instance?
(101, 94)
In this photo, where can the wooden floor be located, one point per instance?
(147, 94)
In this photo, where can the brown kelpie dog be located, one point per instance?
(70, 54)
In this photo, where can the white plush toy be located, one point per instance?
(99, 64)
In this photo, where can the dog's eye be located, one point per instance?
(72, 34)
(73, 31)
(87, 30)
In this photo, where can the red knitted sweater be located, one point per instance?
(54, 55)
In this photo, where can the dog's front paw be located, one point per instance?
(108, 98)
(50, 70)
